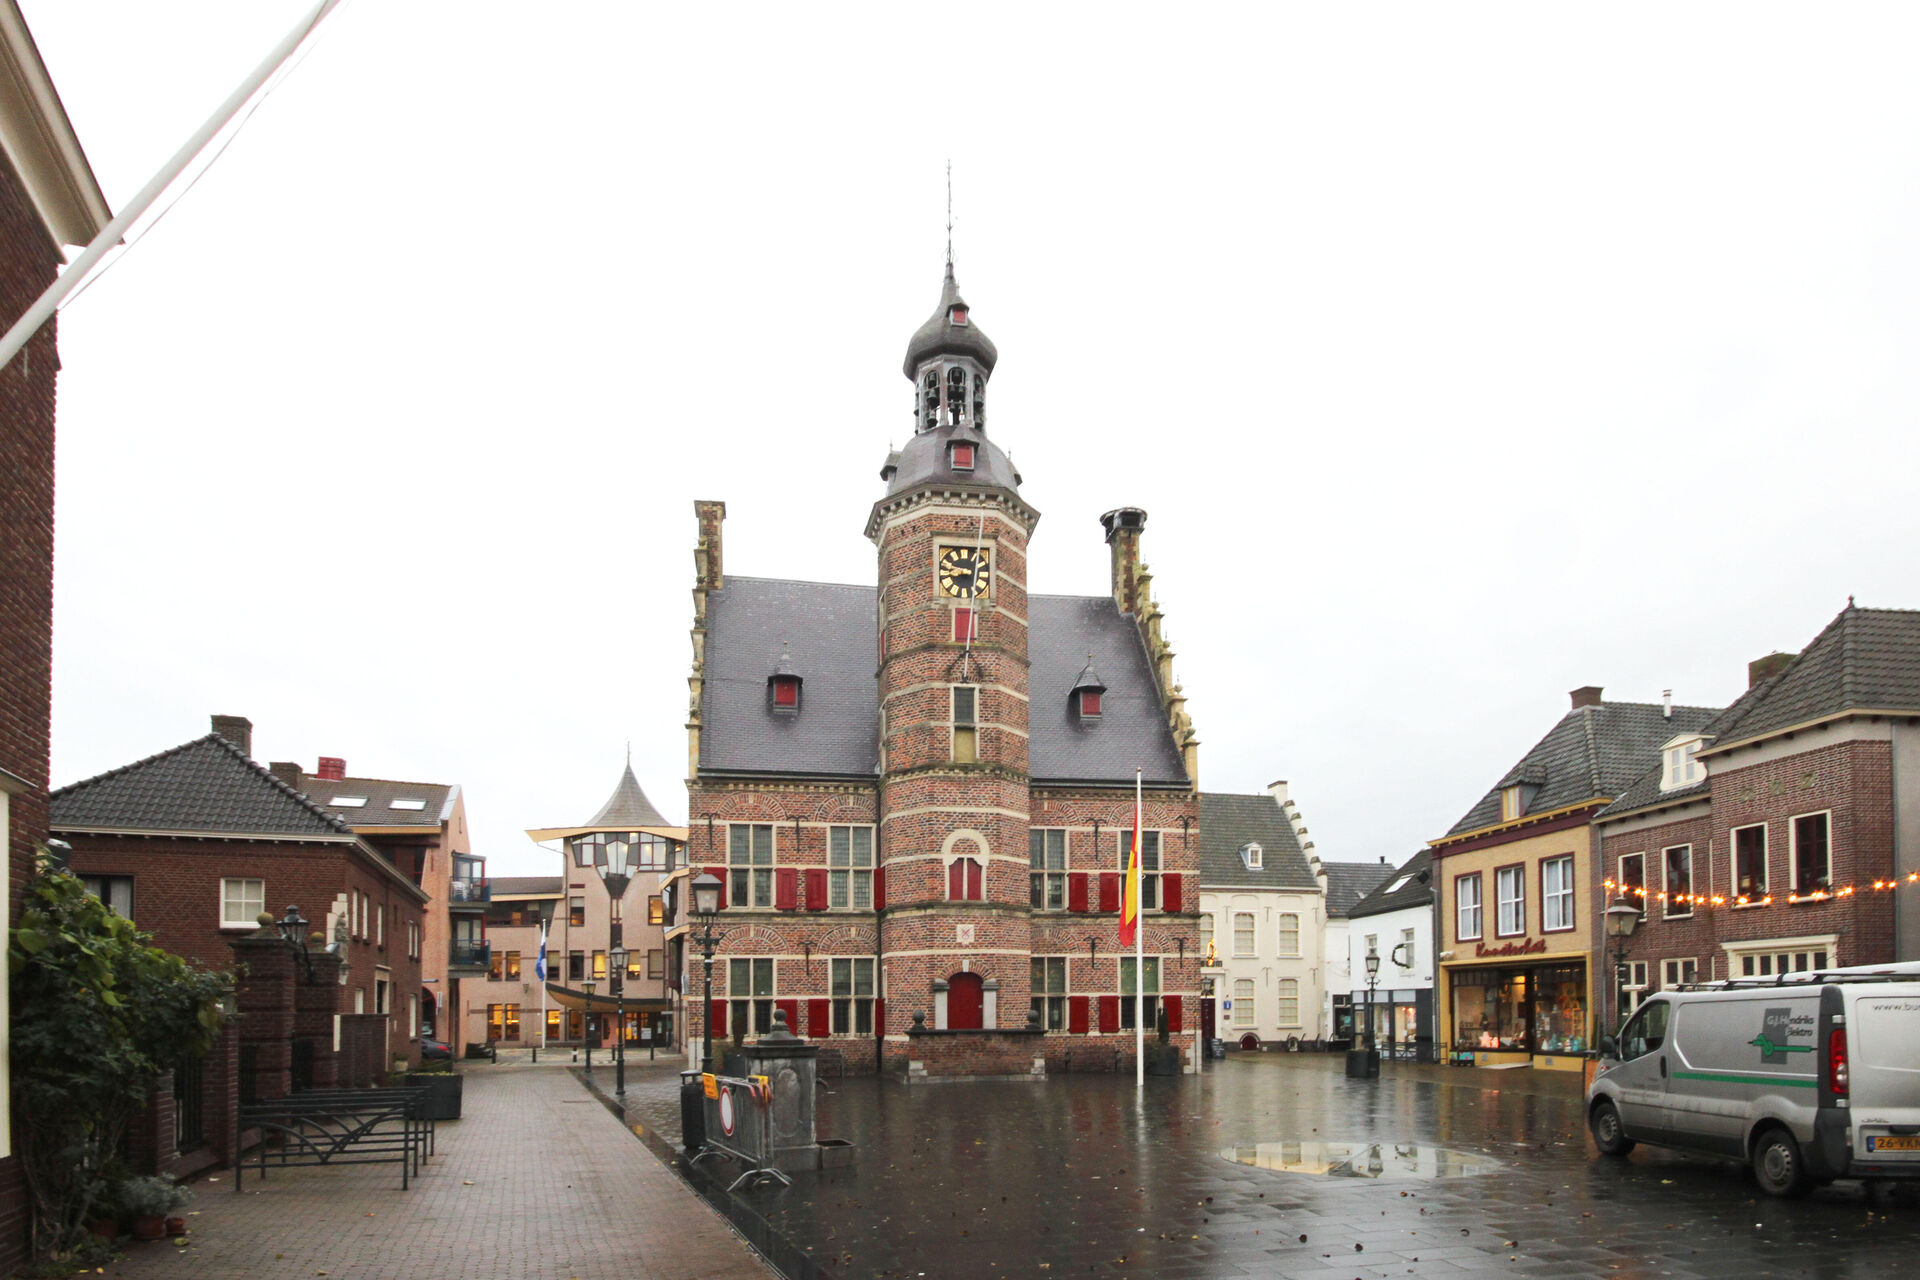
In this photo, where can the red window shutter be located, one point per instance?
(720, 874)
(1089, 702)
(1076, 891)
(1172, 1005)
(1077, 1015)
(1109, 1014)
(956, 879)
(717, 1019)
(1169, 892)
(879, 1012)
(1109, 890)
(963, 624)
(879, 888)
(786, 888)
(786, 691)
(975, 892)
(816, 888)
(792, 1008)
(963, 457)
(819, 1019)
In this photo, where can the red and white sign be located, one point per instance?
(726, 1110)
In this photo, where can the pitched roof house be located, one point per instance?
(1262, 920)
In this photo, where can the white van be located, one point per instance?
(1808, 1077)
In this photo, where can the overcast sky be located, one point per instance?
(1461, 355)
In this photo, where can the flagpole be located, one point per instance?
(543, 988)
(1139, 953)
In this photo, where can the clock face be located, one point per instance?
(963, 572)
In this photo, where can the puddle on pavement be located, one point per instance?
(1382, 1161)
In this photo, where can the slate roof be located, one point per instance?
(940, 337)
(830, 632)
(205, 785)
(1644, 792)
(379, 793)
(1228, 823)
(509, 887)
(1348, 882)
(1593, 751)
(1866, 658)
(628, 806)
(925, 459)
(1416, 892)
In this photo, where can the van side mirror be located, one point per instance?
(1609, 1048)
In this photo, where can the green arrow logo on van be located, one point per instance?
(1764, 1043)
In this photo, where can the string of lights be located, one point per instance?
(1912, 879)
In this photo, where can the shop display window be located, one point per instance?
(1540, 1010)
(1560, 1010)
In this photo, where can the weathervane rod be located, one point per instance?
(949, 217)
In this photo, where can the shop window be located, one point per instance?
(1242, 934)
(750, 996)
(1556, 893)
(965, 878)
(966, 730)
(1812, 861)
(749, 864)
(1050, 991)
(1678, 884)
(1289, 935)
(850, 868)
(1047, 862)
(1243, 1004)
(1750, 862)
(554, 1031)
(1510, 890)
(1466, 907)
(852, 988)
(1289, 997)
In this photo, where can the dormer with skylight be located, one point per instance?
(1679, 762)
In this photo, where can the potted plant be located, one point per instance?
(149, 1201)
(443, 1086)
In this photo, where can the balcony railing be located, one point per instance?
(470, 955)
(471, 891)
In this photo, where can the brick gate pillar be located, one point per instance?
(316, 1001)
(266, 963)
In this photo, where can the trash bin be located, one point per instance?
(693, 1111)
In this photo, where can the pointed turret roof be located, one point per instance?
(945, 334)
(628, 806)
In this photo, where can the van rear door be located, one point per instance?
(1883, 1062)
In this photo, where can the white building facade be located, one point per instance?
(1395, 922)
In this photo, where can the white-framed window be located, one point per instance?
(1633, 986)
(750, 995)
(1149, 865)
(1206, 933)
(1289, 935)
(1150, 1005)
(1772, 957)
(1630, 881)
(380, 927)
(1678, 766)
(116, 892)
(1466, 907)
(750, 864)
(1405, 949)
(852, 979)
(1047, 859)
(1679, 973)
(1243, 934)
(1252, 855)
(1812, 853)
(1749, 845)
(1289, 998)
(1510, 896)
(241, 903)
(413, 1017)
(1556, 893)
(1676, 862)
(850, 868)
(1243, 1004)
(1049, 991)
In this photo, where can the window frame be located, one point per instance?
(1047, 996)
(252, 922)
(852, 879)
(1620, 876)
(1280, 935)
(1679, 971)
(1244, 1007)
(1514, 873)
(965, 730)
(1478, 906)
(751, 884)
(1150, 862)
(1282, 999)
(1253, 936)
(1756, 898)
(1046, 882)
(756, 1005)
(1667, 903)
(851, 1012)
(1793, 856)
(971, 868)
(1569, 894)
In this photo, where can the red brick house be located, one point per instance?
(48, 198)
(194, 843)
(1771, 840)
(918, 793)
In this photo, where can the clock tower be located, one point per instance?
(954, 787)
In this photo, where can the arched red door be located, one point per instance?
(963, 1002)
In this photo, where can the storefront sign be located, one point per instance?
(1526, 947)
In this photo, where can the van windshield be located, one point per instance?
(1645, 1032)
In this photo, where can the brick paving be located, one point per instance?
(1083, 1176)
(537, 1180)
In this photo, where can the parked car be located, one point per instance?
(435, 1050)
(1807, 1077)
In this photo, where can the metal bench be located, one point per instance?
(340, 1126)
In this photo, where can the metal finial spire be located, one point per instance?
(949, 219)
(629, 753)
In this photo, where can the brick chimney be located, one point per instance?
(1587, 695)
(1768, 667)
(238, 730)
(1123, 526)
(287, 771)
(332, 768)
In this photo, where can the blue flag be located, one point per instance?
(540, 965)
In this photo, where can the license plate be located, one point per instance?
(1893, 1142)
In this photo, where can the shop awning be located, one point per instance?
(600, 1002)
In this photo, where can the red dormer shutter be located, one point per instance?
(1089, 702)
(786, 691)
(974, 872)
(963, 457)
(963, 625)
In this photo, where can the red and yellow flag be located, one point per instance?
(1130, 891)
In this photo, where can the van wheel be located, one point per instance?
(1777, 1165)
(1607, 1133)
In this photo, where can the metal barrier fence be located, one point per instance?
(738, 1114)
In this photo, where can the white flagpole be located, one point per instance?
(1139, 953)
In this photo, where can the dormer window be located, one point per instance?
(1513, 803)
(785, 693)
(961, 456)
(957, 315)
(1679, 766)
(1088, 692)
(1252, 855)
(1090, 704)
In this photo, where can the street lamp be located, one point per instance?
(614, 859)
(1364, 1064)
(293, 928)
(617, 957)
(706, 908)
(1373, 980)
(1622, 918)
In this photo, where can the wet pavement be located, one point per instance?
(1086, 1175)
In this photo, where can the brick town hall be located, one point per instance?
(918, 795)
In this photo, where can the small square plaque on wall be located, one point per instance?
(963, 935)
